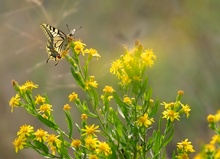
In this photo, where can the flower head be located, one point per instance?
(84, 116)
(108, 89)
(39, 99)
(45, 108)
(28, 85)
(73, 96)
(14, 102)
(40, 135)
(127, 100)
(53, 140)
(186, 109)
(91, 82)
(211, 118)
(90, 130)
(171, 115)
(76, 143)
(92, 156)
(91, 142)
(104, 148)
(19, 143)
(79, 47)
(148, 57)
(25, 130)
(92, 52)
(185, 146)
(66, 107)
(145, 120)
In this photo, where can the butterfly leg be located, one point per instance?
(48, 60)
(57, 62)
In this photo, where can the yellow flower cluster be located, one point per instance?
(79, 47)
(131, 66)
(26, 135)
(96, 147)
(212, 149)
(184, 148)
(22, 91)
(174, 109)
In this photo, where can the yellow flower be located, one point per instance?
(125, 80)
(127, 100)
(215, 139)
(217, 116)
(39, 99)
(25, 130)
(209, 148)
(90, 142)
(148, 57)
(19, 143)
(104, 148)
(217, 155)
(90, 130)
(53, 149)
(185, 146)
(79, 47)
(128, 58)
(116, 66)
(180, 92)
(84, 116)
(66, 107)
(108, 89)
(53, 139)
(92, 52)
(45, 108)
(182, 156)
(14, 102)
(30, 85)
(171, 115)
(76, 143)
(73, 96)
(40, 135)
(93, 156)
(144, 120)
(186, 109)
(91, 82)
(211, 118)
(168, 105)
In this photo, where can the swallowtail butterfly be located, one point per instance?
(57, 41)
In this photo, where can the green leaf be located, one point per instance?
(78, 77)
(122, 106)
(41, 146)
(154, 109)
(143, 87)
(63, 150)
(47, 122)
(170, 137)
(70, 123)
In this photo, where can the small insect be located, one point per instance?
(57, 41)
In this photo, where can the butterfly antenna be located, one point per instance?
(78, 28)
(67, 27)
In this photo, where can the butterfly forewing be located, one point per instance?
(60, 40)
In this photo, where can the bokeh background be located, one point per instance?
(185, 36)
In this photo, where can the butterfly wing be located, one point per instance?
(56, 37)
(52, 53)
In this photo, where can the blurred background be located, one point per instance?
(185, 36)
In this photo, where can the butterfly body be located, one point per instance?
(57, 41)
